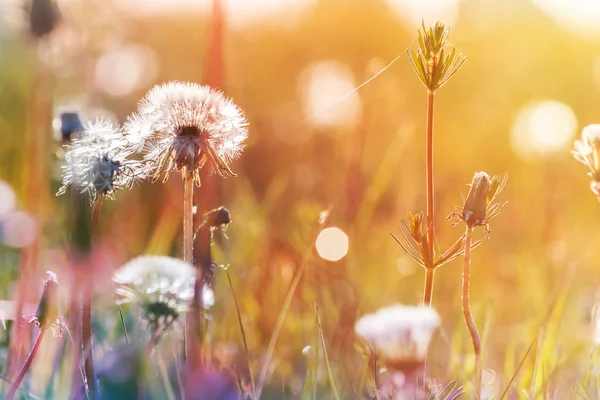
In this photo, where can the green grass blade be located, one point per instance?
(243, 332)
(327, 365)
(521, 363)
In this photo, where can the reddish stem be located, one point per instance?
(428, 294)
(36, 345)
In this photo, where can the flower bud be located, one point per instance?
(474, 209)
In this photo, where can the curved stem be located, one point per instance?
(25, 367)
(467, 311)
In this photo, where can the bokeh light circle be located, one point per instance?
(332, 244)
(580, 16)
(17, 229)
(121, 71)
(543, 127)
(328, 99)
(8, 200)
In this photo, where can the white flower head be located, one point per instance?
(185, 126)
(587, 152)
(400, 333)
(97, 162)
(162, 286)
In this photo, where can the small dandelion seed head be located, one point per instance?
(400, 333)
(162, 286)
(98, 161)
(587, 152)
(186, 126)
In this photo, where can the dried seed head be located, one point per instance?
(400, 333)
(67, 126)
(97, 162)
(479, 207)
(44, 16)
(587, 152)
(46, 315)
(474, 209)
(185, 126)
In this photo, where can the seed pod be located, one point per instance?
(474, 209)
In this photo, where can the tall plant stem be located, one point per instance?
(428, 293)
(467, 312)
(25, 367)
(188, 249)
(86, 310)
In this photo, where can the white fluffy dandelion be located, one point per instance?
(400, 333)
(162, 286)
(184, 126)
(97, 162)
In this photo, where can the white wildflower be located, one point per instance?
(587, 152)
(185, 125)
(162, 286)
(97, 162)
(400, 333)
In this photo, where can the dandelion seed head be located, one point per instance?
(162, 286)
(97, 162)
(185, 126)
(591, 133)
(400, 333)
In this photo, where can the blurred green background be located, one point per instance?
(530, 84)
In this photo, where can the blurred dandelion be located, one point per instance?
(183, 126)
(401, 334)
(587, 152)
(97, 162)
(162, 286)
(477, 210)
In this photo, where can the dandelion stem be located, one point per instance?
(188, 245)
(86, 310)
(25, 367)
(430, 199)
(467, 311)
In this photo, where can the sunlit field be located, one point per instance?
(299, 199)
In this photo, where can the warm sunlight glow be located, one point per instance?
(121, 71)
(332, 244)
(579, 15)
(413, 12)
(240, 13)
(324, 87)
(543, 127)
